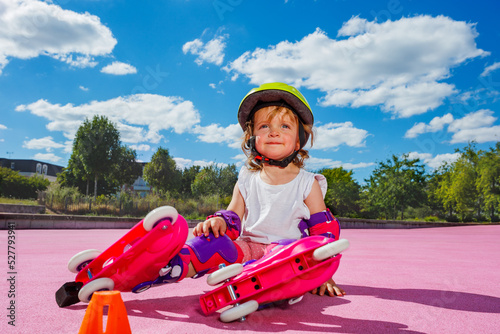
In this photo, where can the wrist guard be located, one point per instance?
(233, 222)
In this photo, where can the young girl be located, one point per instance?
(275, 199)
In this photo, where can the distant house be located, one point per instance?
(140, 186)
(32, 167)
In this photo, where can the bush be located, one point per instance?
(69, 200)
(14, 185)
(418, 213)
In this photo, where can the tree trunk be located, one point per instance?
(95, 186)
(87, 187)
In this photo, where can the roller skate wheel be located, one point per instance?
(239, 312)
(99, 284)
(161, 213)
(295, 300)
(331, 249)
(225, 273)
(80, 260)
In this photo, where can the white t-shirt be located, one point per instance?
(273, 212)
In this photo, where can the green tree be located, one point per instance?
(162, 173)
(394, 185)
(74, 175)
(127, 169)
(188, 177)
(436, 191)
(488, 181)
(343, 194)
(462, 188)
(213, 179)
(470, 186)
(96, 149)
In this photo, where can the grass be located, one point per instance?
(6, 200)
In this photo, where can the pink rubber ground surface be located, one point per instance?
(436, 280)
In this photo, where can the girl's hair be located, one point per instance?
(299, 160)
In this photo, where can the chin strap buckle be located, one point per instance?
(260, 159)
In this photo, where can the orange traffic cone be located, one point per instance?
(117, 314)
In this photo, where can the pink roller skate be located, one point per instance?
(143, 257)
(284, 274)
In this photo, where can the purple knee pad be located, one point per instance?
(208, 252)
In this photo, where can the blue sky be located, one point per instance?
(383, 77)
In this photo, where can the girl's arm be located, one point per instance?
(315, 201)
(316, 204)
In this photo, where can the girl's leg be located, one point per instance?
(251, 250)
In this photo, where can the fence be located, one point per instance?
(124, 206)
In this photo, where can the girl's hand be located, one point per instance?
(330, 287)
(215, 224)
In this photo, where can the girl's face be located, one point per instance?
(276, 136)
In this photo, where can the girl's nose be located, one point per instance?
(273, 132)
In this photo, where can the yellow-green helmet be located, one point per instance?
(274, 94)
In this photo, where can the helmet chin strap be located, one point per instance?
(260, 159)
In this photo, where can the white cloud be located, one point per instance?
(479, 135)
(398, 65)
(140, 117)
(47, 157)
(183, 163)
(85, 89)
(473, 120)
(119, 68)
(141, 147)
(46, 143)
(318, 163)
(239, 159)
(355, 26)
(210, 52)
(76, 61)
(475, 126)
(348, 165)
(3, 127)
(32, 28)
(436, 124)
(332, 135)
(491, 68)
(215, 133)
(216, 87)
(434, 162)
(68, 146)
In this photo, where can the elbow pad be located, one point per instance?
(321, 223)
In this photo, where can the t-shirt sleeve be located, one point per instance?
(323, 184)
(242, 180)
(309, 179)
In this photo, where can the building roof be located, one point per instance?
(30, 166)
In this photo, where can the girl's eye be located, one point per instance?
(263, 126)
(285, 126)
